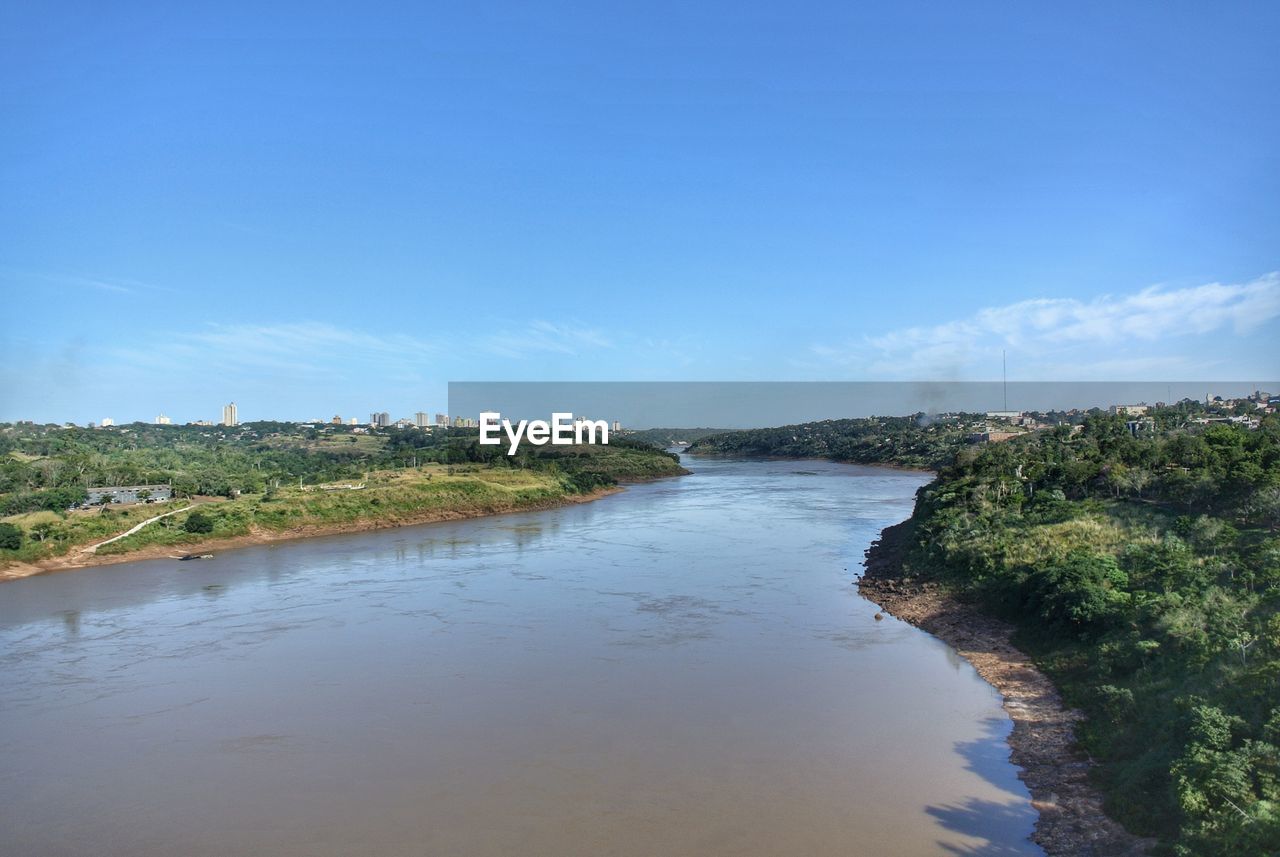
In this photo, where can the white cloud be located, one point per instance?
(1063, 335)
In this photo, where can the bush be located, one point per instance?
(10, 537)
(1080, 592)
(198, 522)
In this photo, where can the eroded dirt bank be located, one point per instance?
(1071, 820)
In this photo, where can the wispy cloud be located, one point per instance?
(277, 369)
(102, 285)
(1066, 330)
(544, 337)
(117, 285)
(294, 349)
(308, 337)
(317, 350)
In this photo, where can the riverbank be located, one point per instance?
(1071, 819)
(737, 456)
(78, 559)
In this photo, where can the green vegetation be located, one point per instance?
(382, 498)
(10, 537)
(275, 477)
(1144, 575)
(917, 441)
(198, 522)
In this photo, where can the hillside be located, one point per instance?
(1144, 577)
(915, 441)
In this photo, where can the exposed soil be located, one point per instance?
(77, 558)
(1043, 742)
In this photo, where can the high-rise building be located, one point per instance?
(107, 421)
(229, 415)
(353, 422)
(337, 420)
(617, 425)
(162, 420)
(380, 419)
(422, 419)
(442, 419)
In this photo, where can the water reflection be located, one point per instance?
(71, 623)
(985, 821)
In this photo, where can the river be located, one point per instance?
(682, 668)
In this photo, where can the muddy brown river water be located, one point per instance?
(683, 668)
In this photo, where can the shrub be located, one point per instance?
(10, 537)
(1079, 592)
(198, 522)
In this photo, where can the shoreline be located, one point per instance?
(75, 559)
(1070, 819)
(903, 468)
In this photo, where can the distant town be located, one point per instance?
(1246, 411)
(996, 426)
(377, 420)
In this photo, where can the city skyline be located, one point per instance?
(697, 404)
(230, 418)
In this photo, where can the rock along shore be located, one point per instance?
(1071, 820)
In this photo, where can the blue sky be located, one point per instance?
(318, 208)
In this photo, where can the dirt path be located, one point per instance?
(1043, 744)
(134, 529)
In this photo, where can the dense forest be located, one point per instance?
(1144, 574)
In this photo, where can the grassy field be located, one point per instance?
(387, 498)
(50, 534)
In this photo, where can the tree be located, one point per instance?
(10, 537)
(1244, 641)
(1137, 479)
(42, 530)
(198, 522)
(1264, 507)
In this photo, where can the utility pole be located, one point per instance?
(1004, 376)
